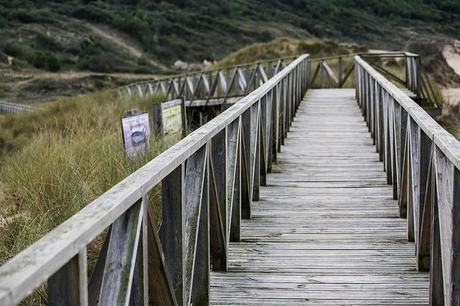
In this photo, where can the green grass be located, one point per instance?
(56, 161)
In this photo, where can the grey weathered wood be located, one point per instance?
(445, 188)
(423, 242)
(217, 215)
(13, 108)
(69, 285)
(436, 279)
(160, 288)
(423, 134)
(200, 289)
(171, 231)
(195, 180)
(95, 282)
(121, 258)
(330, 73)
(246, 182)
(233, 181)
(456, 239)
(326, 229)
(49, 254)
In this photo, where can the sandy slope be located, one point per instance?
(452, 55)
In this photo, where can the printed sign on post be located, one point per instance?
(169, 121)
(136, 133)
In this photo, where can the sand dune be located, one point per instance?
(452, 55)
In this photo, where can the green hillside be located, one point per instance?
(59, 35)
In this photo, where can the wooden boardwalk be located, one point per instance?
(326, 229)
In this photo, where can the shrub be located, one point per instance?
(98, 63)
(92, 13)
(32, 15)
(46, 61)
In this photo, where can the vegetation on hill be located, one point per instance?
(53, 35)
(287, 47)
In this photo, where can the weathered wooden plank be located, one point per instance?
(171, 230)
(217, 217)
(233, 181)
(200, 284)
(194, 182)
(445, 188)
(160, 284)
(95, 282)
(436, 270)
(69, 286)
(423, 242)
(121, 258)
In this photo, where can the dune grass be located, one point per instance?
(57, 160)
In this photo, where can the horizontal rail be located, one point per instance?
(221, 83)
(209, 180)
(422, 162)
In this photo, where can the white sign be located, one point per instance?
(136, 134)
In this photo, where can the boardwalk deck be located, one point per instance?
(326, 229)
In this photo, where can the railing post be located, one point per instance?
(172, 227)
(218, 200)
(69, 286)
(340, 69)
(234, 152)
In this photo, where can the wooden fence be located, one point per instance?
(208, 181)
(334, 71)
(13, 108)
(422, 161)
(210, 87)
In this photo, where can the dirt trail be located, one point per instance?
(122, 41)
(452, 55)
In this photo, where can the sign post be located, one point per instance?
(136, 133)
(169, 120)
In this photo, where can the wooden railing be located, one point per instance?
(210, 87)
(334, 71)
(208, 181)
(13, 108)
(422, 161)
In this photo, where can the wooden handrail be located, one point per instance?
(209, 180)
(422, 161)
(219, 83)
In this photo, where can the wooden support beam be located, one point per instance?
(217, 211)
(233, 181)
(423, 241)
(121, 257)
(160, 284)
(196, 185)
(69, 286)
(171, 231)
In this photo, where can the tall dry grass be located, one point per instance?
(58, 160)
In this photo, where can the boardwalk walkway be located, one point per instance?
(326, 229)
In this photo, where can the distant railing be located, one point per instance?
(415, 80)
(422, 161)
(13, 108)
(208, 181)
(210, 87)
